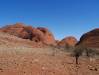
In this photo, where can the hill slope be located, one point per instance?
(10, 40)
(90, 39)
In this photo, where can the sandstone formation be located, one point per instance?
(7, 40)
(48, 36)
(90, 39)
(68, 41)
(39, 34)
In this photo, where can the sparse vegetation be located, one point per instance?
(77, 53)
(81, 50)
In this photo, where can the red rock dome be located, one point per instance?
(90, 39)
(70, 41)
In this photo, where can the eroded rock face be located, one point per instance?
(48, 36)
(39, 34)
(90, 39)
(70, 41)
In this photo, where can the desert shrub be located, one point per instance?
(89, 52)
(77, 53)
(80, 50)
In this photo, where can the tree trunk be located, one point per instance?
(77, 59)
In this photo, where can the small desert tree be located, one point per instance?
(92, 52)
(77, 52)
(89, 52)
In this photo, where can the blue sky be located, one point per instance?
(62, 17)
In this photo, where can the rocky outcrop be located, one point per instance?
(39, 34)
(48, 36)
(68, 41)
(90, 39)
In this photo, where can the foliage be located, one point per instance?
(80, 50)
